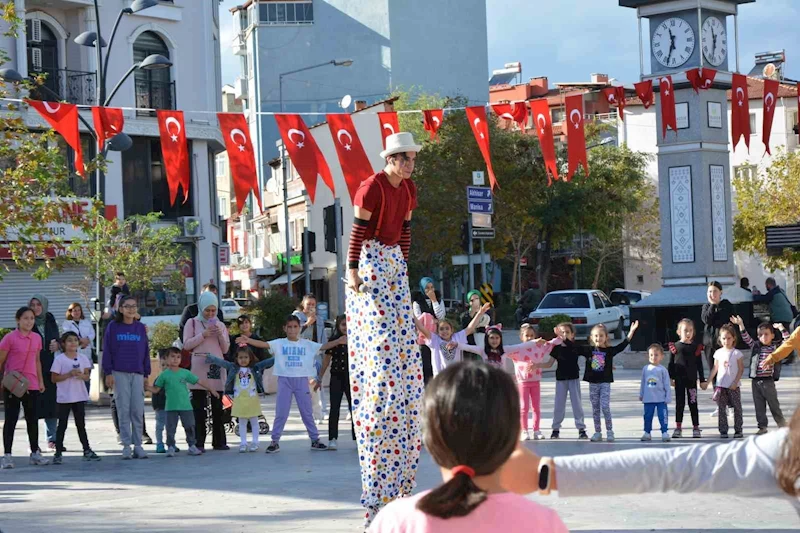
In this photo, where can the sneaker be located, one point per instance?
(609, 436)
(597, 437)
(761, 431)
(537, 435)
(677, 434)
(665, 436)
(222, 448)
(146, 439)
(523, 436)
(714, 413)
(274, 447)
(555, 434)
(139, 453)
(89, 455)
(194, 450)
(201, 448)
(723, 435)
(738, 435)
(582, 435)
(243, 448)
(177, 450)
(696, 433)
(126, 452)
(38, 460)
(253, 447)
(171, 451)
(7, 462)
(119, 439)
(317, 446)
(646, 437)
(332, 445)
(57, 459)
(160, 448)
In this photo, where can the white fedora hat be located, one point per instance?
(399, 143)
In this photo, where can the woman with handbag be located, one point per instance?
(47, 328)
(22, 384)
(205, 335)
(81, 326)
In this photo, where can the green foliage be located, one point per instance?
(270, 312)
(162, 335)
(4, 332)
(547, 324)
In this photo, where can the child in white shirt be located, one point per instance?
(728, 369)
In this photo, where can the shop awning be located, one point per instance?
(281, 280)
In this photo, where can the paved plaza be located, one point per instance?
(301, 490)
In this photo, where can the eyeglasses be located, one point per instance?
(133, 307)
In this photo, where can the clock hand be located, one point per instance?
(671, 45)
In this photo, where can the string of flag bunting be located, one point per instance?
(310, 163)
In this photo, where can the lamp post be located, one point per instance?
(288, 254)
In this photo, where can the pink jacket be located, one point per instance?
(200, 346)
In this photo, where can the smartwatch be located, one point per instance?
(545, 475)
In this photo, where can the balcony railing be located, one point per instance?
(154, 95)
(73, 86)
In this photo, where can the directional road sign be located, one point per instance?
(483, 233)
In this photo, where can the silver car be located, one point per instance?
(586, 309)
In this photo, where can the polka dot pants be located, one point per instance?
(385, 377)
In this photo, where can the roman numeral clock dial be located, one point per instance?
(715, 41)
(673, 42)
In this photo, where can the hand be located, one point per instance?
(53, 346)
(779, 327)
(485, 308)
(242, 340)
(634, 327)
(353, 281)
(738, 321)
(215, 394)
(41, 386)
(84, 342)
(430, 293)
(704, 385)
(540, 341)
(342, 340)
(452, 345)
(672, 348)
(764, 365)
(734, 386)
(311, 319)
(529, 368)
(209, 332)
(640, 398)
(672, 382)
(75, 372)
(109, 382)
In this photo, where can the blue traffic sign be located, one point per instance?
(480, 206)
(479, 193)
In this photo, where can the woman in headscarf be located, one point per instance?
(473, 308)
(313, 329)
(204, 335)
(47, 328)
(427, 309)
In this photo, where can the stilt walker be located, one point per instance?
(385, 365)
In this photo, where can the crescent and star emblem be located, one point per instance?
(437, 121)
(611, 98)
(769, 99)
(740, 95)
(477, 122)
(580, 118)
(172, 120)
(669, 85)
(541, 120)
(389, 127)
(508, 116)
(302, 135)
(51, 109)
(239, 132)
(345, 133)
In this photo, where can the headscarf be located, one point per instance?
(472, 293)
(206, 300)
(423, 283)
(41, 320)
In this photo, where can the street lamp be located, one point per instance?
(288, 255)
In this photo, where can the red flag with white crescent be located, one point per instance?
(576, 137)
(540, 110)
(616, 96)
(241, 157)
(644, 90)
(770, 99)
(518, 112)
(175, 152)
(304, 153)
(108, 122)
(480, 128)
(432, 120)
(701, 78)
(389, 124)
(352, 157)
(740, 111)
(669, 118)
(64, 119)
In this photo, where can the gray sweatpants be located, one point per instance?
(573, 387)
(129, 397)
(764, 394)
(187, 419)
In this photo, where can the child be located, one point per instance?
(655, 392)
(245, 382)
(294, 363)
(159, 402)
(684, 367)
(469, 403)
(599, 373)
(174, 381)
(568, 380)
(70, 372)
(336, 359)
(19, 355)
(764, 376)
(439, 343)
(728, 369)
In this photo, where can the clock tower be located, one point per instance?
(694, 162)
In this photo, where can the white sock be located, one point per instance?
(254, 426)
(242, 431)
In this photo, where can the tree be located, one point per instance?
(768, 198)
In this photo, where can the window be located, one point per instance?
(639, 279)
(568, 300)
(81, 187)
(221, 163)
(292, 241)
(256, 246)
(212, 187)
(154, 88)
(144, 182)
(745, 171)
(752, 123)
(557, 114)
(598, 303)
(286, 13)
(223, 207)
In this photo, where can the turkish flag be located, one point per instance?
(432, 120)
(576, 137)
(108, 122)
(644, 90)
(304, 153)
(616, 96)
(175, 152)
(668, 115)
(389, 125)
(740, 111)
(480, 128)
(540, 110)
(64, 119)
(352, 157)
(241, 157)
(518, 112)
(770, 99)
(701, 78)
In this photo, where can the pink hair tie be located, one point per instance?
(498, 327)
(463, 469)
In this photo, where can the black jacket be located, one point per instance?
(715, 316)
(685, 364)
(567, 356)
(46, 408)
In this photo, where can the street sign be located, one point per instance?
(477, 177)
(479, 193)
(483, 233)
(480, 206)
(224, 254)
(479, 220)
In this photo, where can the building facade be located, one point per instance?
(187, 33)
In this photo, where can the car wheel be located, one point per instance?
(620, 329)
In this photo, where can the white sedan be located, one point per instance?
(586, 309)
(231, 310)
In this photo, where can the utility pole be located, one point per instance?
(340, 270)
(470, 251)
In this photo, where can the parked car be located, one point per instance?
(231, 310)
(586, 308)
(623, 298)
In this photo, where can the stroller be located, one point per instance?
(230, 423)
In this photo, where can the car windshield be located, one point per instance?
(625, 298)
(565, 300)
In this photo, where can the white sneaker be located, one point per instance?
(194, 451)
(714, 413)
(665, 437)
(597, 437)
(38, 460)
(253, 447)
(171, 451)
(646, 437)
(139, 453)
(7, 462)
(243, 448)
(524, 436)
(332, 445)
(348, 417)
(537, 435)
(609, 436)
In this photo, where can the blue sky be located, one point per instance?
(567, 40)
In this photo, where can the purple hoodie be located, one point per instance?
(126, 349)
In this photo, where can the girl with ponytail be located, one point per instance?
(470, 427)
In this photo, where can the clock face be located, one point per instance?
(673, 42)
(715, 41)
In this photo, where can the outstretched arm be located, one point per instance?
(422, 329)
(473, 324)
(785, 349)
